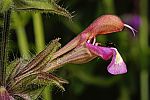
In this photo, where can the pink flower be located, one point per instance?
(117, 65)
(105, 24)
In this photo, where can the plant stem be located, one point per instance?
(143, 39)
(38, 31)
(3, 54)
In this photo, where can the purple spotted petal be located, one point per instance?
(117, 65)
(103, 52)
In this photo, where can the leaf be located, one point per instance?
(42, 6)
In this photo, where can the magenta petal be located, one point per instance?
(117, 65)
(103, 52)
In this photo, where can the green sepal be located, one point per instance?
(46, 78)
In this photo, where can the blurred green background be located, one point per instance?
(91, 81)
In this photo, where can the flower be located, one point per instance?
(117, 65)
(87, 52)
(72, 53)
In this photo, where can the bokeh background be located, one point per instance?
(91, 81)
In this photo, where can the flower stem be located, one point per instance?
(5, 34)
(38, 31)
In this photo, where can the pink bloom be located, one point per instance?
(105, 24)
(117, 65)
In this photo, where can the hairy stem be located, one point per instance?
(4, 39)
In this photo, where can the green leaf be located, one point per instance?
(43, 6)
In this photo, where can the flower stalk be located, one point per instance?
(3, 54)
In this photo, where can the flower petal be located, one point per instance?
(103, 52)
(117, 65)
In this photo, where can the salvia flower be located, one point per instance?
(103, 25)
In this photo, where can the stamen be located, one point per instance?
(94, 40)
(132, 29)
